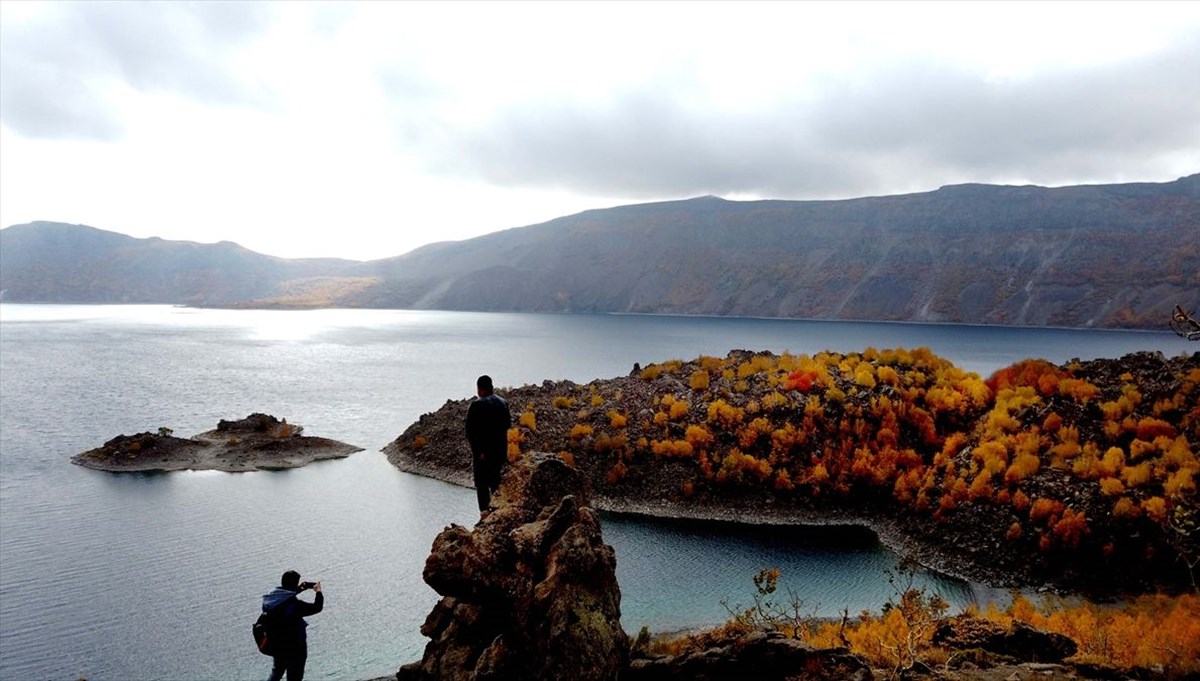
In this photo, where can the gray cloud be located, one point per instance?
(55, 70)
(914, 125)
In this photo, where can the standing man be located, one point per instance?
(488, 421)
(287, 627)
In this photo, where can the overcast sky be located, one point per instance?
(366, 130)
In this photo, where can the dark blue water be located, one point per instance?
(159, 576)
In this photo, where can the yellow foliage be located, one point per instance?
(863, 376)
(580, 431)
(653, 371)
(1023, 466)
(725, 414)
(528, 420)
(677, 448)
(678, 410)
(1134, 476)
(698, 436)
(774, 400)
(1111, 487)
(1151, 631)
(699, 380)
(1125, 508)
(1155, 508)
(1043, 509)
(1180, 482)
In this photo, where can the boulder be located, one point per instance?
(531, 592)
(1019, 641)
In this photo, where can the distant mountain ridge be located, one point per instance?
(60, 263)
(1082, 256)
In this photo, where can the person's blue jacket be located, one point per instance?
(288, 613)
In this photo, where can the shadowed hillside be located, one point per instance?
(60, 263)
(1104, 255)
(1076, 256)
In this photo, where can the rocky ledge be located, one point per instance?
(531, 594)
(257, 442)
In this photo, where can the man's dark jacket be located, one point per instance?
(488, 421)
(287, 613)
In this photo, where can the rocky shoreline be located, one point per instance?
(259, 442)
(891, 532)
(530, 592)
(918, 462)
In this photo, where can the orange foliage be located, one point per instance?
(1043, 509)
(1036, 373)
(698, 436)
(1150, 428)
(1151, 631)
(725, 414)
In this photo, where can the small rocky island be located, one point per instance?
(257, 442)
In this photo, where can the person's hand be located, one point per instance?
(317, 587)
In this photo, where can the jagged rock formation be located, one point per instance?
(257, 442)
(530, 593)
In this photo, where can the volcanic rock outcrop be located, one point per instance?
(257, 442)
(531, 592)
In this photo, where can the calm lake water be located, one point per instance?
(133, 577)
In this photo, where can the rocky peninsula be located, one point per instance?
(1079, 477)
(257, 442)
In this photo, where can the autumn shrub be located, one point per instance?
(616, 419)
(528, 420)
(1151, 631)
(725, 414)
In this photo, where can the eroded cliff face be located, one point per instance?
(530, 592)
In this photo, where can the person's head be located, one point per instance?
(290, 580)
(483, 385)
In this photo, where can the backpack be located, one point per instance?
(262, 631)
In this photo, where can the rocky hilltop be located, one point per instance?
(1088, 256)
(1080, 476)
(257, 442)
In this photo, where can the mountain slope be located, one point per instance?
(56, 262)
(1075, 256)
(1103, 255)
